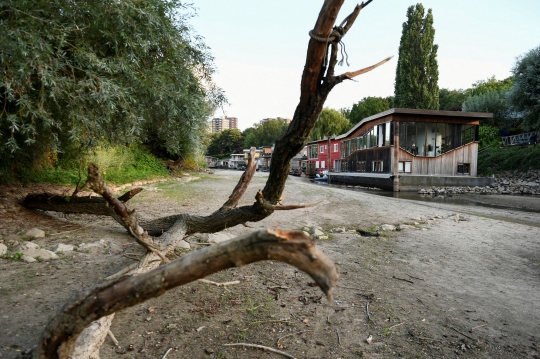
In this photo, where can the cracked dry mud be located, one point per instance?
(443, 289)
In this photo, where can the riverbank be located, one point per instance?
(455, 281)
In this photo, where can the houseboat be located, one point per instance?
(404, 149)
(323, 156)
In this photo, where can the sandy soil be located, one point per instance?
(442, 289)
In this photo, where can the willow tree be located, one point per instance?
(62, 337)
(77, 73)
(417, 72)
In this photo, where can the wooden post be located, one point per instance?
(395, 185)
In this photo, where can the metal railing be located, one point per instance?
(521, 139)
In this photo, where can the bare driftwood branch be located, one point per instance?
(294, 248)
(242, 185)
(350, 75)
(60, 336)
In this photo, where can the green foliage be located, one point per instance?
(369, 106)
(75, 75)
(15, 256)
(117, 165)
(492, 101)
(265, 134)
(226, 141)
(330, 122)
(495, 160)
(417, 71)
(489, 136)
(484, 86)
(524, 96)
(451, 100)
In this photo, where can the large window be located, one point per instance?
(433, 139)
(377, 136)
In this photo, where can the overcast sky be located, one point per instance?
(259, 47)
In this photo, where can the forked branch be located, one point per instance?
(294, 248)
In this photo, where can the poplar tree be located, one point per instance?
(417, 71)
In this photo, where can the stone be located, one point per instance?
(306, 233)
(322, 237)
(405, 226)
(61, 247)
(338, 230)
(93, 246)
(182, 245)
(388, 227)
(3, 249)
(316, 232)
(41, 253)
(28, 259)
(219, 237)
(35, 233)
(25, 246)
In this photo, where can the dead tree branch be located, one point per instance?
(242, 185)
(295, 248)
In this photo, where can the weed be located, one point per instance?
(15, 256)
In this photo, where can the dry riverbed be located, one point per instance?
(458, 281)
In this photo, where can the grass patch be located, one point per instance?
(118, 165)
(496, 160)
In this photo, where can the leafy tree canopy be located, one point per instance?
(226, 141)
(492, 101)
(524, 96)
(331, 122)
(265, 134)
(417, 72)
(77, 73)
(483, 86)
(369, 106)
(451, 100)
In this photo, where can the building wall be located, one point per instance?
(445, 164)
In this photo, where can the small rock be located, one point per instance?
(3, 249)
(219, 237)
(28, 259)
(183, 245)
(208, 351)
(40, 253)
(307, 233)
(322, 237)
(405, 226)
(171, 326)
(61, 247)
(25, 246)
(388, 227)
(316, 232)
(35, 233)
(200, 328)
(93, 246)
(369, 339)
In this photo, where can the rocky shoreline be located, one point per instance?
(508, 183)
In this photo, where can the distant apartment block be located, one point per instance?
(223, 123)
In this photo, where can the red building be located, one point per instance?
(323, 155)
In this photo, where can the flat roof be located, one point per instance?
(411, 111)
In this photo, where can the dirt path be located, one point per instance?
(440, 289)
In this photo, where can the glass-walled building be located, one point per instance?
(394, 146)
